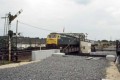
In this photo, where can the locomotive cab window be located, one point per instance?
(52, 36)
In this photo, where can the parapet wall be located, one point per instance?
(42, 54)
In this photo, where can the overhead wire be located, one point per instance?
(35, 26)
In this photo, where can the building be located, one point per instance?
(23, 42)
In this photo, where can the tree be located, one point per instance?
(104, 41)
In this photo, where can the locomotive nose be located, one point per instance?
(52, 41)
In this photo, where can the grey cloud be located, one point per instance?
(56, 14)
(82, 1)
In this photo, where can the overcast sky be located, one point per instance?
(100, 19)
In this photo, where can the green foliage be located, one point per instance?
(104, 41)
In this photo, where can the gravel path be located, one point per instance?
(104, 53)
(58, 68)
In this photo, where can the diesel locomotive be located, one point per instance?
(66, 42)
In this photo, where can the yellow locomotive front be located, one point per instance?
(52, 40)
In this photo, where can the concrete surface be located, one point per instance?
(42, 54)
(104, 53)
(58, 54)
(110, 58)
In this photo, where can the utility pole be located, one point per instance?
(16, 35)
(79, 44)
(9, 43)
(5, 24)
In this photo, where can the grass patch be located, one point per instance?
(4, 62)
